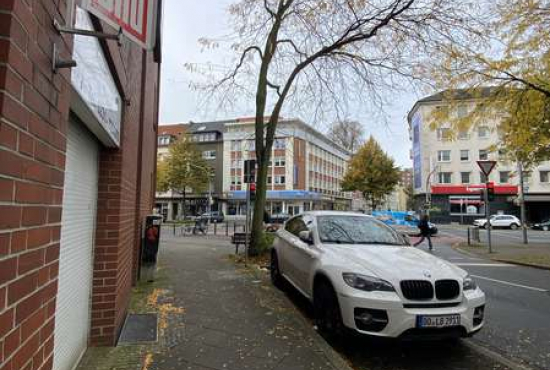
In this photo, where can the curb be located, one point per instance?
(484, 350)
(457, 247)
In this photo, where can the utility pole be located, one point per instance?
(522, 204)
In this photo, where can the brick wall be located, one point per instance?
(34, 109)
(33, 123)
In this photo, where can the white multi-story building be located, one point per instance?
(305, 172)
(445, 164)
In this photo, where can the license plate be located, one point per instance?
(441, 321)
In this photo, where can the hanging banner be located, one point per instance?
(136, 18)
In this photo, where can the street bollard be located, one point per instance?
(227, 229)
(216, 228)
(234, 227)
(469, 241)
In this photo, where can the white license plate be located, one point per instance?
(441, 321)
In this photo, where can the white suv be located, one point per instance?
(505, 221)
(360, 274)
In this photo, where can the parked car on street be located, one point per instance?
(545, 225)
(503, 221)
(214, 217)
(362, 275)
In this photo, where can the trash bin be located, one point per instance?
(473, 235)
(150, 246)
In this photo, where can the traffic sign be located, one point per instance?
(137, 19)
(486, 166)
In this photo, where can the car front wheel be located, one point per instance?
(328, 317)
(514, 226)
(276, 278)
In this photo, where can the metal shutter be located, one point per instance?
(72, 320)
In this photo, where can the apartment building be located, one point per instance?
(445, 168)
(306, 168)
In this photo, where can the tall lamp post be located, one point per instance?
(523, 189)
(428, 190)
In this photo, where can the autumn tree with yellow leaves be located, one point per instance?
(511, 55)
(372, 172)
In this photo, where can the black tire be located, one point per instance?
(328, 316)
(276, 278)
(514, 226)
(545, 228)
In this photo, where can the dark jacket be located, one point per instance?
(424, 227)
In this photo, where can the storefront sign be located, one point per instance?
(136, 18)
(93, 82)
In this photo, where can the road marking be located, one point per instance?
(511, 284)
(485, 264)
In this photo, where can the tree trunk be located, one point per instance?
(184, 208)
(257, 230)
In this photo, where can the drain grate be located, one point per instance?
(139, 328)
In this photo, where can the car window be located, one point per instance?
(356, 230)
(295, 225)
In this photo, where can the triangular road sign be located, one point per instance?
(486, 166)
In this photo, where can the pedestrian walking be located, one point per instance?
(425, 232)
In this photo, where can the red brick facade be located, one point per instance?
(34, 110)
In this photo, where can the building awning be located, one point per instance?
(473, 189)
(280, 195)
(473, 202)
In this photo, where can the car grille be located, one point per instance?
(417, 290)
(423, 290)
(446, 289)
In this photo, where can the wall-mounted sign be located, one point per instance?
(136, 18)
(93, 82)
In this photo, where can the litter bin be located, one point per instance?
(473, 235)
(150, 246)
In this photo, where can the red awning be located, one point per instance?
(473, 202)
(463, 189)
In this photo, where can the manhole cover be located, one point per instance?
(139, 328)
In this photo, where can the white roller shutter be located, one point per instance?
(72, 320)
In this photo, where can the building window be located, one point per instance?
(251, 145)
(444, 156)
(464, 155)
(164, 140)
(461, 111)
(504, 177)
(526, 177)
(483, 155)
(236, 180)
(279, 161)
(545, 176)
(280, 180)
(236, 146)
(482, 178)
(279, 144)
(465, 177)
(463, 135)
(443, 134)
(445, 177)
(483, 132)
(209, 154)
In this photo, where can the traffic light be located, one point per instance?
(252, 192)
(491, 191)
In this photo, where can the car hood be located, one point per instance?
(392, 263)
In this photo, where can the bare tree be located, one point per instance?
(326, 54)
(350, 135)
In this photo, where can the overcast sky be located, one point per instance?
(186, 21)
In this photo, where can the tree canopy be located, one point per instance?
(320, 55)
(372, 172)
(350, 135)
(184, 170)
(512, 56)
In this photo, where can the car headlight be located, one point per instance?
(469, 283)
(367, 283)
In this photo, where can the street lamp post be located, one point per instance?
(522, 187)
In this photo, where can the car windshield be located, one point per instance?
(356, 230)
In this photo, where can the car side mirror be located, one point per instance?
(306, 236)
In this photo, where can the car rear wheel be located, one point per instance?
(514, 226)
(545, 228)
(328, 317)
(276, 278)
